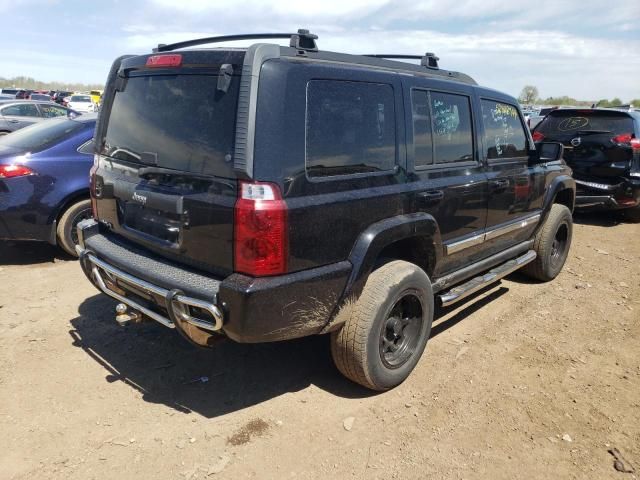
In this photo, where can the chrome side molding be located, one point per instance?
(479, 238)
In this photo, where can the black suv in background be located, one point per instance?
(272, 192)
(602, 146)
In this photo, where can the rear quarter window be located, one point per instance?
(350, 128)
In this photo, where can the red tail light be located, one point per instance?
(622, 138)
(627, 138)
(11, 171)
(537, 136)
(159, 61)
(261, 230)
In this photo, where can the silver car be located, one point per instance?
(16, 114)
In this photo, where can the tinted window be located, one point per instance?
(21, 110)
(569, 122)
(422, 141)
(42, 135)
(80, 98)
(174, 121)
(452, 133)
(350, 128)
(503, 131)
(51, 111)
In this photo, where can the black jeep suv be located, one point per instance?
(602, 146)
(271, 193)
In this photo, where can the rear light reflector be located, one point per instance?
(159, 61)
(261, 230)
(537, 136)
(11, 171)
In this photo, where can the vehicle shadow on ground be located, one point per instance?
(164, 367)
(599, 219)
(29, 253)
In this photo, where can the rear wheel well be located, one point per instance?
(565, 197)
(83, 195)
(419, 250)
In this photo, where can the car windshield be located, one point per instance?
(570, 122)
(80, 98)
(41, 135)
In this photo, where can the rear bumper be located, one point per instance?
(250, 310)
(600, 196)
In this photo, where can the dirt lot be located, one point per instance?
(525, 380)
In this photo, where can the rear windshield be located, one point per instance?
(41, 135)
(80, 98)
(569, 122)
(179, 122)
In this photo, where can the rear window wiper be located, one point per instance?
(146, 172)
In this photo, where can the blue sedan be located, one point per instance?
(44, 181)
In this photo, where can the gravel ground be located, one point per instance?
(524, 380)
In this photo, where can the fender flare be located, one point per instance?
(559, 183)
(371, 242)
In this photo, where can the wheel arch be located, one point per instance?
(414, 238)
(69, 200)
(563, 191)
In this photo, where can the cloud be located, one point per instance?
(558, 63)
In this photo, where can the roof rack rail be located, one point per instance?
(301, 40)
(428, 60)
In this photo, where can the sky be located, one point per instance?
(586, 49)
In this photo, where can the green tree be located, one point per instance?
(528, 95)
(635, 102)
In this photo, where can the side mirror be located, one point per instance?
(547, 152)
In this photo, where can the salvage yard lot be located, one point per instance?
(524, 380)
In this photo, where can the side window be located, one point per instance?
(50, 111)
(87, 147)
(452, 132)
(504, 134)
(350, 128)
(422, 141)
(21, 110)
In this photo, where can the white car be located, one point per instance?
(81, 103)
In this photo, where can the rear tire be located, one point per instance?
(66, 230)
(552, 243)
(388, 328)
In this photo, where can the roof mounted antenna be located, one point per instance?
(428, 60)
(301, 40)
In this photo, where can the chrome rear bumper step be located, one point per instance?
(105, 277)
(477, 283)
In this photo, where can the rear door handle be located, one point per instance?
(431, 197)
(498, 185)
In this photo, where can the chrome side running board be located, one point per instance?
(464, 290)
